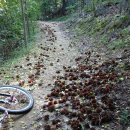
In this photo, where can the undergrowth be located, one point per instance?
(111, 30)
(18, 53)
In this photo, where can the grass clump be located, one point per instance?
(17, 54)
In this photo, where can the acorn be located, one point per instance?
(54, 93)
(47, 127)
(89, 111)
(55, 102)
(75, 124)
(55, 121)
(98, 110)
(83, 110)
(84, 75)
(64, 111)
(50, 99)
(81, 117)
(93, 101)
(62, 100)
(46, 117)
(48, 95)
(30, 81)
(51, 108)
(50, 103)
(86, 126)
(72, 114)
(95, 120)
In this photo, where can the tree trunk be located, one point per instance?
(24, 22)
(27, 20)
(63, 7)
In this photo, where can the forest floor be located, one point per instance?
(55, 55)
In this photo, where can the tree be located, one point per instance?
(23, 4)
(64, 3)
(12, 18)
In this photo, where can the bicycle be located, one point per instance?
(14, 100)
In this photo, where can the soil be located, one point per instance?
(56, 49)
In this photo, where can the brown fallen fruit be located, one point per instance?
(46, 117)
(51, 108)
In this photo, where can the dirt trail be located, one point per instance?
(53, 52)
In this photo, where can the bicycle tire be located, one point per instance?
(25, 92)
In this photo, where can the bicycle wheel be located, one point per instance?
(22, 101)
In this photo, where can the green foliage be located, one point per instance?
(118, 21)
(112, 31)
(71, 8)
(11, 23)
(125, 31)
(118, 43)
(18, 53)
(88, 8)
(101, 23)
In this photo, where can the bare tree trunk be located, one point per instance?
(24, 21)
(27, 20)
(63, 7)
